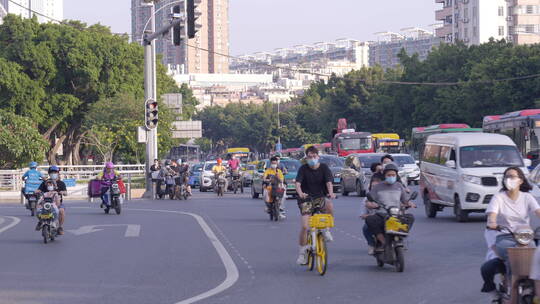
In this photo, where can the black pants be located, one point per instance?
(376, 222)
(489, 270)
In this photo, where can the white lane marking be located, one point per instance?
(2, 220)
(16, 220)
(131, 229)
(232, 273)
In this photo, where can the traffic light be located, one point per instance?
(177, 30)
(151, 110)
(192, 16)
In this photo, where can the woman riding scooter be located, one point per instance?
(106, 177)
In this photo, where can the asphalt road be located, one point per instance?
(225, 250)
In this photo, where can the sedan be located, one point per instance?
(336, 165)
(407, 167)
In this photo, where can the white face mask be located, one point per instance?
(511, 183)
(273, 166)
(50, 188)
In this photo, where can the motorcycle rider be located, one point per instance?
(60, 187)
(164, 173)
(56, 199)
(32, 179)
(391, 193)
(510, 208)
(369, 210)
(272, 171)
(106, 176)
(183, 174)
(217, 169)
(314, 179)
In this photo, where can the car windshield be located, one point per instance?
(197, 168)
(402, 160)
(490, 156)
(332, 161)
(368, 160)
(291, 165)
(355, 143)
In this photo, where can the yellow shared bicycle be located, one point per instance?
(317, 251)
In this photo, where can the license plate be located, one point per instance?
(337, 180)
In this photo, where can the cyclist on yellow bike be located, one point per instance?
(314, 180)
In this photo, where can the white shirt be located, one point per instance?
(513, 214)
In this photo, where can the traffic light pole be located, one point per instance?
(150, 91)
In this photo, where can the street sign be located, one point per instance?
(187, 129)
(141, 135)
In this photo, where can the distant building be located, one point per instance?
(385, 52)
(476, 21)
(339, 57)
(200, 56)
(50, 8)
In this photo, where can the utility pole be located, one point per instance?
(150, 87)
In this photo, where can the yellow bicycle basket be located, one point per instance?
(395, 226)
(321, 221)
(46, 216)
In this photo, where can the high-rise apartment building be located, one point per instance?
(472, 21)
(199, 55)
(476, 21)
(52, 9)
(523, 21)
(3, 10)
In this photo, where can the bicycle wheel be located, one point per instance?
(322, 256)
(311, 256)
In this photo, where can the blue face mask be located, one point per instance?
(390, 179)
(312, 162)
(54, 175)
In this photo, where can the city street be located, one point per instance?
(167, 252)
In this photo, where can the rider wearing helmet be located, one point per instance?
(32, 178)
(106, 176)
(391, 193)
(218, 169)
(183, 174)
(54, 184)
(164, 173)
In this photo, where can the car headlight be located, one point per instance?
(472, 179)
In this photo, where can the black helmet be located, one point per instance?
(390, 167)
(167, 162)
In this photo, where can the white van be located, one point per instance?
(465, 170)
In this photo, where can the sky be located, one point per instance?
(264, 25)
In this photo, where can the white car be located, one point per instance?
(207, 176)
(464, 170)
(407, 167)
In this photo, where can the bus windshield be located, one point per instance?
(355, 143)
(490, 156)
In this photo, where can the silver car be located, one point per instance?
(408, 169)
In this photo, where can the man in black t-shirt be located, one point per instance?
(314, 186)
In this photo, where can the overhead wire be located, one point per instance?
(300, 70)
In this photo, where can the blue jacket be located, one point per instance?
(32, 179)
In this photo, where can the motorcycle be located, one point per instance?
(521, 288)
(49, 222)
(276, 194)
(169, 186)
(236, 181)
(180, 191)
(221, 183)
(32, 199)
(395, 232)
(114, 198)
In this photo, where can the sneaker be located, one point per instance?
(371, 250)
(282, 216)
(328, 236)
(302, 258)
(60, 231)
(38, 226)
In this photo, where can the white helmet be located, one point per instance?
(179, 161)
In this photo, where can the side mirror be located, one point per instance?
(451, 164)
(527, 162)
(414, 195)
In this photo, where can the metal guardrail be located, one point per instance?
(11, 180)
